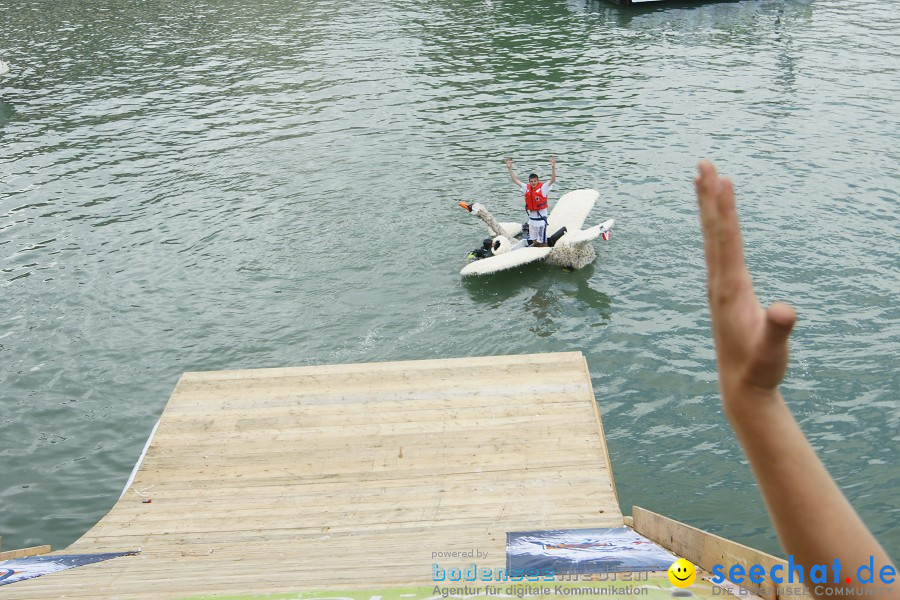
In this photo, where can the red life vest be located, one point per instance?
(535, 198)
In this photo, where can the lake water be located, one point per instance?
(215, 185)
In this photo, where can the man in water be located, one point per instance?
(535, 203)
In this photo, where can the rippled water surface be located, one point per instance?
(195, 186)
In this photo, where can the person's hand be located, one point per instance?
(552, 161)
(509, 162)
(751, 343)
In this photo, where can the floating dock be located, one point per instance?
(348, 477)
(353, 481)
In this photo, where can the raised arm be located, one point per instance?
(511, 174)
(814, 521)
(552, 170)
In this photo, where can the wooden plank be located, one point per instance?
(535, 480)
(596, 407)
(540, 422)
(450, 365)
(707, 549)
(554, 475)
(395, 520)
(24, 552)
(400, 447)
(311, 416)
(544, 392)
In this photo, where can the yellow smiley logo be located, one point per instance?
(682, 573)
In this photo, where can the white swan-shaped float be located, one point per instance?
(574, 249)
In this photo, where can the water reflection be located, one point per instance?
(6, 113)
(737, 16)
(500, 287)
(587, 297)
(545, 294)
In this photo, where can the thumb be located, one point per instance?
(768, 366)
(780, 319)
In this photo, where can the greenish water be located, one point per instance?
(196, 186)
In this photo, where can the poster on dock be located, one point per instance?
(582, 551)
(19, 569)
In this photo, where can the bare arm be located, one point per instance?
(552, 170)
(814, 521)
(511, 174)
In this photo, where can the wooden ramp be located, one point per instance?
(349, 477)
